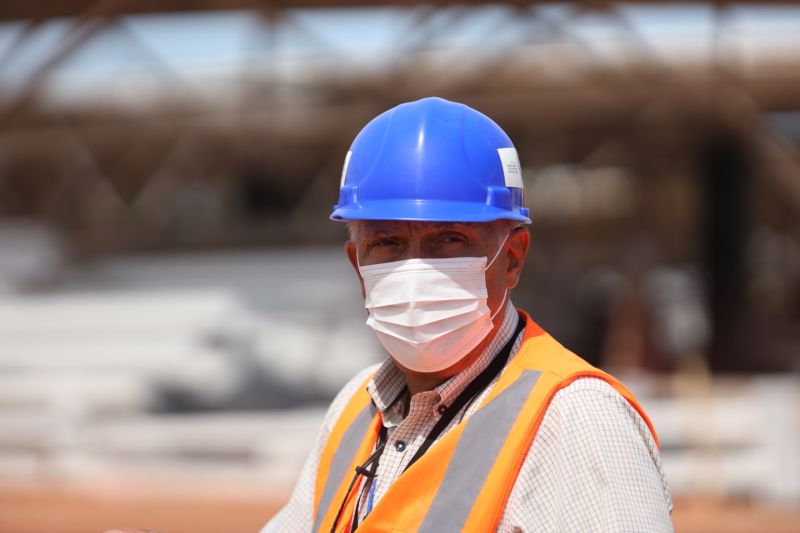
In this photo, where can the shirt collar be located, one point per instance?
(389, 384)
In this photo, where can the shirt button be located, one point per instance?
(441, 409)
(400, 445)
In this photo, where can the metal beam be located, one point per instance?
(44, 9)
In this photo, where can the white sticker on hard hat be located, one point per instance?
(512, 171)
(344, 168)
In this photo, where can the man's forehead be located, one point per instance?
(373, 227)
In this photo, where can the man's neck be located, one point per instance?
(423, 382)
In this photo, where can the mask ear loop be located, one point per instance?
(489, 264)
(501, 306)
(497, 253)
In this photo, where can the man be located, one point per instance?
(478, 420)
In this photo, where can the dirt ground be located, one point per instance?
(79, 511)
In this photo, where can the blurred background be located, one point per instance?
(175, 307)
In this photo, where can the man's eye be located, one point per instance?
(451, 239)
(384, 242)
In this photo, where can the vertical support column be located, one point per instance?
(727, 173)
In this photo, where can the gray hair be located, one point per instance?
(351, 229)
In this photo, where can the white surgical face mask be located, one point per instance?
(429, 313)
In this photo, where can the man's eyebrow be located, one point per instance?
(379, 230)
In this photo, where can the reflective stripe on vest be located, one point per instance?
(463, 481)
(474, 456)
(343, 457)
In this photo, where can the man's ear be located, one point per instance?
(351, 251)
(519, 241)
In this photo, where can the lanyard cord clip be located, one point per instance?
(363, 470)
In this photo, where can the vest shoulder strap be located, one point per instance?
(541, 352)
(349, 444)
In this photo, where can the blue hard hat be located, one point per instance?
(431, 160)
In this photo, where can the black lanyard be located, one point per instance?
(368, 468)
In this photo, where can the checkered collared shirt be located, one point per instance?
(593, 466)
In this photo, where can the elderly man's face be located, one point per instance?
(381, 241)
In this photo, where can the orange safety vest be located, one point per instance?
(463, 481)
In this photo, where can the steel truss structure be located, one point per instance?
(263, 167)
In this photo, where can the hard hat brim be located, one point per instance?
(426, 211)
